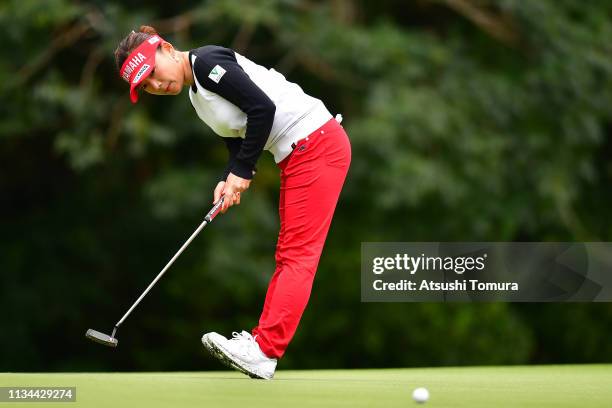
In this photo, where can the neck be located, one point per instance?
(188, 74)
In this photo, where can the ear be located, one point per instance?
(167, 47)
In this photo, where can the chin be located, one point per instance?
(179, 88)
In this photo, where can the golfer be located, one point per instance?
(253, 108)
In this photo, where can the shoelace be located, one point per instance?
(244, 335)
(244, 340)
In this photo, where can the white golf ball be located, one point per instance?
(420, 395)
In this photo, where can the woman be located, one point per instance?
(253, 109)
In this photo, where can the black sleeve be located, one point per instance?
(233, 146)
(236, 86)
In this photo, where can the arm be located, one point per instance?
(233, 84)
(233, 147)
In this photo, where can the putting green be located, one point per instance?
(515, 386)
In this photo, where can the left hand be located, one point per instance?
(234, 185)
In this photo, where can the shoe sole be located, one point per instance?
(208, 346)
(225, 359)
(215, 352)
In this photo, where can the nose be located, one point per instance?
(152, 84)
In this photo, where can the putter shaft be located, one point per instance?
(207, 219)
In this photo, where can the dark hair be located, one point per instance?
(130, 42)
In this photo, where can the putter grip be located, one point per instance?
(214, 211)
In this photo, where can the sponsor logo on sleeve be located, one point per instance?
(216, 73)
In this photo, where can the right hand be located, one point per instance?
(219, 191)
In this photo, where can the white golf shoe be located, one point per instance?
(207, 345)
(242, 353)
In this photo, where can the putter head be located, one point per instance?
(101, 338)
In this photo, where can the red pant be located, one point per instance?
(311, 181)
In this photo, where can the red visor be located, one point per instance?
(139, 65)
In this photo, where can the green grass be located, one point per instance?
(473, 387)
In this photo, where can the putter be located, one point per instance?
(111, 341)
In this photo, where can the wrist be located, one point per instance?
(242, 169)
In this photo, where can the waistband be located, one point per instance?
(301, 129)
(327, 126)
(338, 119)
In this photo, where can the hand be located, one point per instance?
(218, 192)
(231, 189)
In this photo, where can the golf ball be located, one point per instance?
(420, 395)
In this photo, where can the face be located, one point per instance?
(167, 76)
